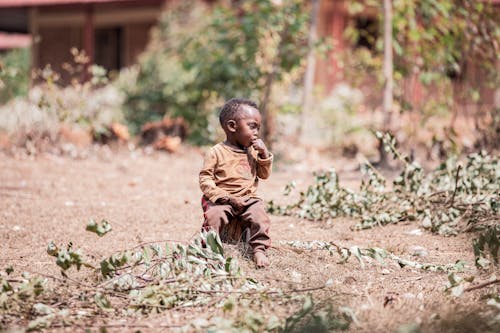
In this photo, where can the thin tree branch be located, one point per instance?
(482, 285)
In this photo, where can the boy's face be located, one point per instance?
(247, 126)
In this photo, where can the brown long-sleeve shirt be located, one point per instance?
(228, 171)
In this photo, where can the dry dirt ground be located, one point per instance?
(152, 196)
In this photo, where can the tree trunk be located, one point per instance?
(310, 69)
(388, 79)
(267, 115)
(268, 120)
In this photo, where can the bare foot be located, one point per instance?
(260, 259)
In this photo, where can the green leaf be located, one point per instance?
(482, 262)
(40, 323)
(101, 229)
(52, 249)
(106, 268)
(146, 256)
(214, 242)
(101, 301)
(357, 253)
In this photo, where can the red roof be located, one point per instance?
(31, 3)
(14, 41)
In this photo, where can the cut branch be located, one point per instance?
(482, 285)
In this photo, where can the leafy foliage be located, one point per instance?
(199, 58)
(488, 239)
(66, 258)
(100, 230)
(455, 197)
(16, 295)
(367, 254)
(434, 41)
(14, 74)
(310, 317)
(155, 278)
(92, 105)
(445, 56)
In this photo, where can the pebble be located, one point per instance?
(418, 251)
(414, 232)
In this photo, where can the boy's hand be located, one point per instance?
(238, 204)
(261, 148)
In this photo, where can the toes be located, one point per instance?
(261, 260)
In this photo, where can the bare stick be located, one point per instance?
(123, 326)
(482, 285)
(258, 292)
(456, 186)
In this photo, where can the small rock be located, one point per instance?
(427, 223)
(414, 232)
(81, 313)
(296, 276)
(385, 271)
(418, 251)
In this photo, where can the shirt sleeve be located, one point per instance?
(207, 178)
(264, 166)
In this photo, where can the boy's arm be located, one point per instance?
(206, 178)
(264, 166)
(264, 159)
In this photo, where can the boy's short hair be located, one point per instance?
(232, 107)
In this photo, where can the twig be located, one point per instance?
(154, 242)
(122, 326)
(88, 287)
(17, 195)
(437, 193)
(456, 185)
(482, 285)
(259, 292)
(61, 279)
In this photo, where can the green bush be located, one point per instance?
(92, 105)
(199, 57)
(14, 74)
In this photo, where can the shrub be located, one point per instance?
(91, 105)
(14, 74)
(199, 57)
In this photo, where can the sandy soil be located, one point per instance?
(151, 196)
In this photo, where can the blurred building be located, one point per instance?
(10, 41)
(332, 21)
(112, 32)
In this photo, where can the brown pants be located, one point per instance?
(253, 216)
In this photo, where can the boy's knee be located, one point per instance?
(256, 214)
(216, 215)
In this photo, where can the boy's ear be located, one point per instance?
(231, 125)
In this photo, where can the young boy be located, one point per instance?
(231, 173)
